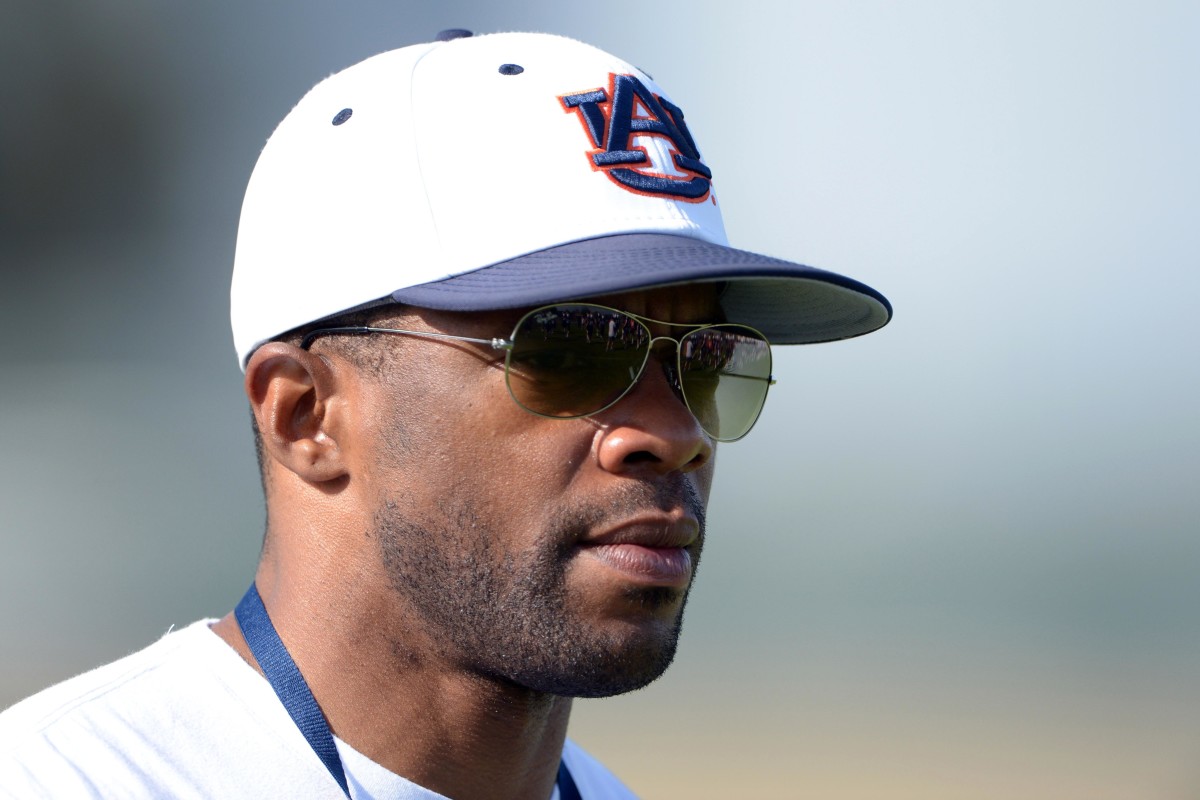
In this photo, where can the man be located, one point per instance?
(491, 334)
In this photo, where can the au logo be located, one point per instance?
(618, 117)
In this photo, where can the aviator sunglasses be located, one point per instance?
(572, 360)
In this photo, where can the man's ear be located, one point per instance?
(291, 393)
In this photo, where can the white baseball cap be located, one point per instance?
(501, 171)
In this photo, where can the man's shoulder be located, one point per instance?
(147, 723)
(155, 722)
(94, 692)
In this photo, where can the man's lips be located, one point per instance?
(649, 551)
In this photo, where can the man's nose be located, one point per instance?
(651, 428)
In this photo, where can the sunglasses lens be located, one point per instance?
(725, 372)
(573, 360)
(576, 359)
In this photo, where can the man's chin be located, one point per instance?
(616, 665)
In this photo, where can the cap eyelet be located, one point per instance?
(342, 116)
(511, 69)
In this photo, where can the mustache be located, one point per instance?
(574, 522)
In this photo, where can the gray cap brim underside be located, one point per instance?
(790, 303)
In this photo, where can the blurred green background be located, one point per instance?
(957, 559)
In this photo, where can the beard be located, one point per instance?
(507, 613)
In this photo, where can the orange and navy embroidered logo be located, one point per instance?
(622, 122)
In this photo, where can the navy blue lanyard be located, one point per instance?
(285, 678)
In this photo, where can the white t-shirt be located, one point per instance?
(188, 718)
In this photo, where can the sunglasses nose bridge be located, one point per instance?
(655, 342)
(670, 363)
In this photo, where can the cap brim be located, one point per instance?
(790, 303)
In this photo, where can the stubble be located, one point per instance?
(508, 614)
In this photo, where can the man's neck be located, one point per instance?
(461, 735)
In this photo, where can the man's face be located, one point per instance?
(556, 554)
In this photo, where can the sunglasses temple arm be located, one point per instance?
(770, 379)
(497, 343)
